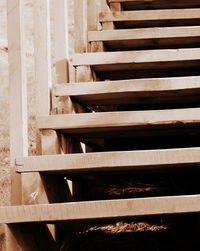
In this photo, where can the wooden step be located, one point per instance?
(155, 4)
(152, 18)
(100, 210)
(98, 124)
(116, 64)
(111, 161)
(135, 91)
(148, 38)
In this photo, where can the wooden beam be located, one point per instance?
(147, 33)
(95, 210)
(81, 25)
(136, 57)
(131, 91)
(18, 91)
(43, 64)
(18, 102)
(61, 38)
(150, 15)
(117, 161)
(106, 121)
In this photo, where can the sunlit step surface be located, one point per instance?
(95, 210)
(177, 37)
(134, 91)
(111, 161)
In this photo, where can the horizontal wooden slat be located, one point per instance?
(149, 15)
(100, 209)
(110, 161)
(120, 121)
(130, 39)
(134, 57)
(131, 91)
(137, 60)
(147, 33)
(156, 4)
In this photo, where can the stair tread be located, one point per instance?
(133, 91)
(50, 213)
(120, 121)
(139, 60)
(155, 4)
(145, 33)
(147, 37)
(110, 161)
(149, 15)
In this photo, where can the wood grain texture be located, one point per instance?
(146, 33)
(150, 15)
(136, 57)
(18, 102)
(42, 42)
(117, 161)
(100, 209)
(106, 121)
(131, 91)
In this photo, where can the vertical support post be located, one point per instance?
(18, 88)
(81, 25)
(65, 73)
(18, 102)
(60, 8)
(43, 77)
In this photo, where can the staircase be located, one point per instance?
(136, 104)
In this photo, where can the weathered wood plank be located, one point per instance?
(131, 91)
(155, 4)
(134, 57)
(18, 102)
(43, 63)
(101, 209)
(106, 121)
(147, 33)
(117, 161)
(150, 15)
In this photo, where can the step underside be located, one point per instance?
(111, 161)
(155, 4)
(96, 210)
(140, 91)
(173, 37)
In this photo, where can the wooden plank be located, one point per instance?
(155, 4)
(42, 42)
(147, 38)
(149, 15)
(104, 58)
(61, 38)
(18, 102)
(120, 121)
(18, 91)
(131, 91)
(81, 25)
(147, 33)
(139, 60)
(95, 210)
(111, 161)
